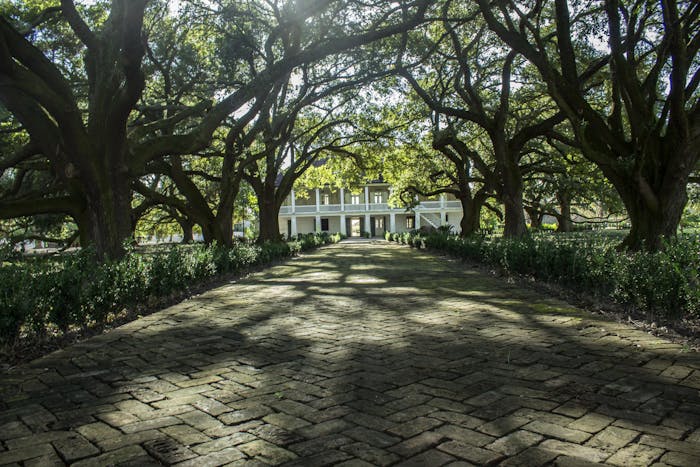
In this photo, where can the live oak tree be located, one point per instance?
(429, 161)
(474, 176)
(300, 118)
(287, 153)
(642, 57)
(252, 40)
(561, 183)
(102, 100)
(184, 70)
(470, 79)
(310, 119)
(84, 139)
(85, 136)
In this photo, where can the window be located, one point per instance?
(378, 197)
(324, 225)
(410, 222)
(326, 199)
(447, 218)
(379, 223)
(354, 199)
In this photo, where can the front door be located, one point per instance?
(355, 227)
(378, 226)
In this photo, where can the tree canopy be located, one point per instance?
(116, 111)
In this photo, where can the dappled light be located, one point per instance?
(289, 366)
(241, 232)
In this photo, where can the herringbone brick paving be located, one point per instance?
(359, 354)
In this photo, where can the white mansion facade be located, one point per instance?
(355, 214)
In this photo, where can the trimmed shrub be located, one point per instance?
(75, 290)
(16, 300)
(665, 283)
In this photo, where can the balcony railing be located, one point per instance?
(329, 207)
(429, 205)
(374, 207)
(305, 209)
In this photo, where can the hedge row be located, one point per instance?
(75, 290)
(665, 283)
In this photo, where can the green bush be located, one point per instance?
(16, 300)
(75, 290)
(8, 252)
(417, 240)
(666, 283)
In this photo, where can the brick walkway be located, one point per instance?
(359, 354)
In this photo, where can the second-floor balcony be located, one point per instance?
(300, 209)
(362, 207)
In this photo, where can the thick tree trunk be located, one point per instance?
(535, 216)
(564, 223)
(654, 199)
(223, 232)
(269, 218)
(207, 232)
(515, 218)
(213, 230)
(108, 217)
(470, 219)
(84, 235)
(512, 199)
(650, 227)
(471, 215)
(269, 227)
(564, 217)
(224, 214)
(511, 185)
(186, 226)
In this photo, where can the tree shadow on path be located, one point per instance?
(359, 352)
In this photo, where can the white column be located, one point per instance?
(343, 231)
(342, 201)
(392, 222)
(318, 223)
(417, 222)
(294, 202)
(367, 198)
(294, 226)
(318, 200)
(442, 201)
(368, 228)
(442, 218)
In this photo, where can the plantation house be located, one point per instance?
(365, 212)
